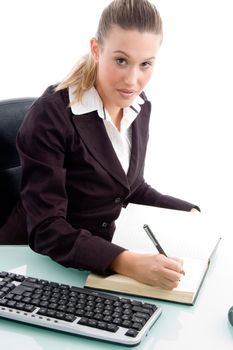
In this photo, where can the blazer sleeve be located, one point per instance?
(141, 192)
(42, 141)
(146, 195)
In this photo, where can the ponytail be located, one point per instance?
(83, 77)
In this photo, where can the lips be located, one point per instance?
(126, 93)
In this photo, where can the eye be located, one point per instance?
(146, 65)
(121, 61)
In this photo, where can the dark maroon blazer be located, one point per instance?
(73, 185)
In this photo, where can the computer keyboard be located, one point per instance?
(81, 311)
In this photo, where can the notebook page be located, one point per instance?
(181, 234)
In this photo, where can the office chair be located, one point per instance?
(12, 112)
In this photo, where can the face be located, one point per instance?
(124, 65)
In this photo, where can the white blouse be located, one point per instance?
(121, 140)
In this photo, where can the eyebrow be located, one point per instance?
(124, 53)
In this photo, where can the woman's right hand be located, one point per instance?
(153, 269)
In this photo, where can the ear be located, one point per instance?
(95, 49)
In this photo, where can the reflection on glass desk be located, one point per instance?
(203, 325)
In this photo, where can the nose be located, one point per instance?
(131, 76)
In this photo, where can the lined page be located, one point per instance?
(181, 234)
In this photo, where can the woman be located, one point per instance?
(83, 145)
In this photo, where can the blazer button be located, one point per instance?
(117, 200)
(104, 224)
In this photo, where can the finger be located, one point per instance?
(181, 262)
(175, 264)
(172, 276)
(168, 284)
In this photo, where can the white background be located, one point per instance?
(190, 149)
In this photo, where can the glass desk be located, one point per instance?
(202, 326)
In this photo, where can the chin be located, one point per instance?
(125, 103)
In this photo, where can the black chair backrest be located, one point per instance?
(12, 113)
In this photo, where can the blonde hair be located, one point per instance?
(139, 15)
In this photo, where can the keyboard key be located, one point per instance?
(117, 321)
(19, 278)
(107, 319)
(83, 321)
(42, 311)
(142, 315)
(131, 333)
(29, 308)
(142, 321)
(101, 325)
(112, 327)
(70, 318)
(31, 280)
(3, 274)
(71, 310)
(51, 313)
(79, 312)
(126, 324)
(11, 303)
(92, 323)
(137, 326)
(143, 310)
(60, 315)
(20, 306)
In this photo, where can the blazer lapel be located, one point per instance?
(93, 133)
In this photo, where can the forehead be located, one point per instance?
(132, 42)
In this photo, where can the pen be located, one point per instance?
(155, 241)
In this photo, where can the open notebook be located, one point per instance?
(190, 236)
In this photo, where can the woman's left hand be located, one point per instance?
(194, 210)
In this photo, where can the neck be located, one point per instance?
(116, 117)
(115, 113)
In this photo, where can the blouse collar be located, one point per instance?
(91, 101)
